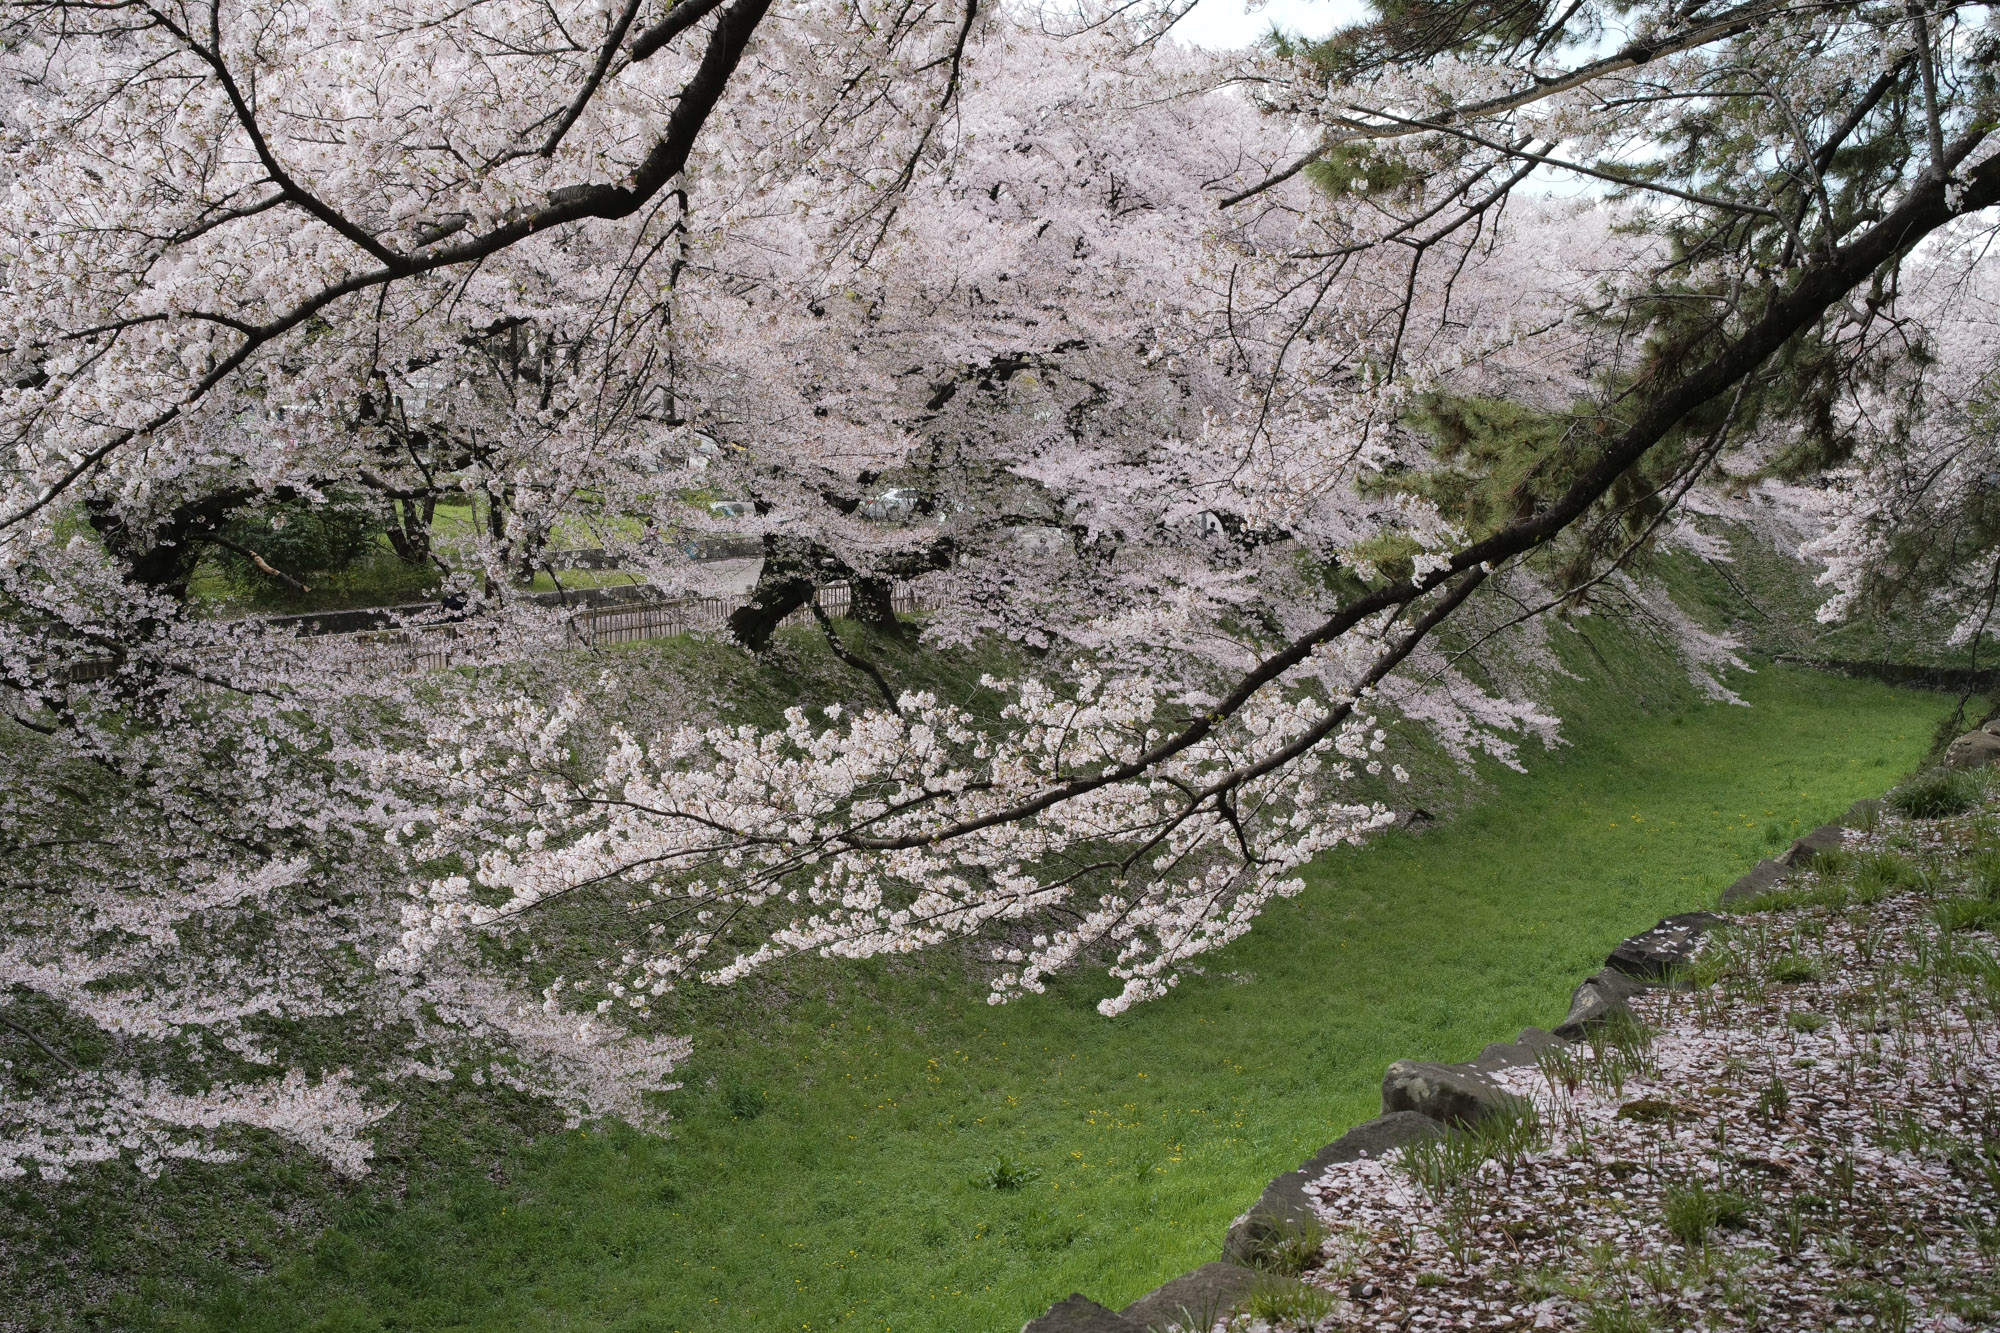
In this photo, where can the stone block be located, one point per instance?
(1449, 1094)
(1596, 1000)
(1214, 1288)
(1975, 749)
(1761, 878)
(1525, 1050)
(1284, 1205)
(1079, 1314)
(1822, 839)
(1654, 955)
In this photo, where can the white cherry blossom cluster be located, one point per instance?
(858, 833)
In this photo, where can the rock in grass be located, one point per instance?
(1214, 1288)
(1596, 1000)
(1448, 1094)
(1763, 877)
(1283, 1205)
(1804, 850)
(1975, 749)
(1519, 1053)
(1654, 955)
(1080, 1314)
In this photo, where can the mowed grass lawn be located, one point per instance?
(831, 1166)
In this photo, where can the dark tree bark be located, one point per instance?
(796, 568)
(408, 525)
(789, 580)
(871, 601)
(163, 555)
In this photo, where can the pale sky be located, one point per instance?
(1222, 25)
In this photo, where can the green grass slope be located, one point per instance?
(835, 1161)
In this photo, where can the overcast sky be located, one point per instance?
(1221, 25)
(1224, 25)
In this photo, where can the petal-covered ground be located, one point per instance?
(1804, 1138)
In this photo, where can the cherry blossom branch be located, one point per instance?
(590, 84)
(1818, 289)
(681, 16)
(669, 154)
(211, 55)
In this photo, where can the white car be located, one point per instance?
(898, 504)
(732, 508)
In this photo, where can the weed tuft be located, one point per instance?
(1510, 1136)
(1286, 1301)
(1619, 1316)
(1795, 968)
(1966, 913)
(1936, 794)
(1879, 874)
(1006, 1174)
(1295, 1248)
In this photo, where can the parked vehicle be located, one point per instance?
(898, 504)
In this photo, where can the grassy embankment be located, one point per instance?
(834, 1158)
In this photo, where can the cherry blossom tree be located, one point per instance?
(1907, 521)
(1145, 336)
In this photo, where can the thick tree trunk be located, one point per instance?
(753, 623)
(794, 569)
(164, 555)
(787, 583)
(871, 601)
(408, 524)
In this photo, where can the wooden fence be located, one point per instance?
(434, 647)
(624, 624)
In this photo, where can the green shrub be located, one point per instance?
(1936, 793)
(301, 538)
